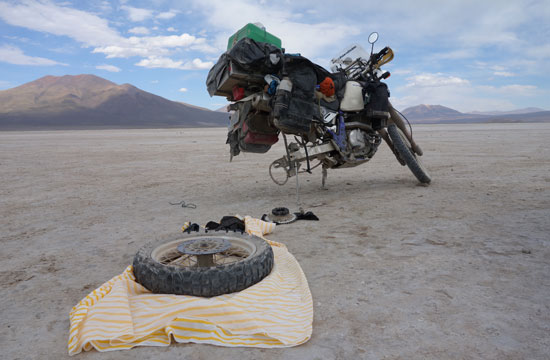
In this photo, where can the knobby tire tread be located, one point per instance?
(205, 281)
(407, 155)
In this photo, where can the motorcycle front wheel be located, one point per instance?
(404, 149)
(235, 261)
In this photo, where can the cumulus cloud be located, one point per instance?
(435, 80)
(14, 55)
(93, 31)
(148, 45)
(503, 73)
(105, 6)
(139, 30)
(199, 64)
(137, 14)
(45, 16)
(167, 63)
(459, 94)
(171, 29)
(107, 67)
(310, 39)
(167, 15)
(512, 89)
(183, 89)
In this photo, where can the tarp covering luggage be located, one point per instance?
(241, 71)
(248, 56)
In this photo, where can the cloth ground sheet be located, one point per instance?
(122, 314)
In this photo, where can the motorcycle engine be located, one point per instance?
(363, 144)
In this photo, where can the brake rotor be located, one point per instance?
(281, 215)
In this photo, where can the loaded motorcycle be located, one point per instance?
(338, 119)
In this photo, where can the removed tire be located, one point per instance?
(404, 149)
(206, 264)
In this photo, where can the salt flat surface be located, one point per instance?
(456, 270)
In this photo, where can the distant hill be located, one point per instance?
(512, 112)
(430, 112)
(88, 101)
(437, 114)
(224, 108)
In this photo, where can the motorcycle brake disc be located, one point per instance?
(280, 216)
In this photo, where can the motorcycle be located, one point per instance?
(338, 118)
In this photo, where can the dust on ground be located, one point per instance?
(455, 270)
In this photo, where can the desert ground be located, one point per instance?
(459, 269)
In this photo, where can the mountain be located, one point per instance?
(512, 112)
(430, 112)
(88, 101)
(224, 108)
(437, 114)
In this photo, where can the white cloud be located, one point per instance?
(167, 15)
(503, 73)
(105, 6)
(465, 53)
(308, 39)
(14, 55)
(401, 72)
(171, 29)
(153, 62)
(148, 46)
(512, 89)
(183, 89)
(167, 63)
(199, 64)
(139, 30)
(4, 84)
(435, 80)
(458, 93)
(137, 14)
(461, 98)
(91, 30)
(47, 17)
(107, 67)
(521, 89)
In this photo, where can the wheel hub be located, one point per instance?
(204, 249)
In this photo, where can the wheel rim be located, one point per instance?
(169, 255)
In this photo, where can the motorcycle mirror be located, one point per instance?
(373, 37)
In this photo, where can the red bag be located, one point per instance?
(258, 138)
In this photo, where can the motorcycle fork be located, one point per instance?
(384, 134)
(398, 120)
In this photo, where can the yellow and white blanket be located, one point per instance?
(122, 314)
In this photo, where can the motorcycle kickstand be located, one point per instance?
(324, 179)
(298, 202)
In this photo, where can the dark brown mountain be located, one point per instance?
(437, 114)
(88, 101)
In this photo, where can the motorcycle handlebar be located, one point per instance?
(379, 55)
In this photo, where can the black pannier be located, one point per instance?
(294, 111)
(378, 99)
(244, 65)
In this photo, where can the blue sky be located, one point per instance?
(468, 55)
